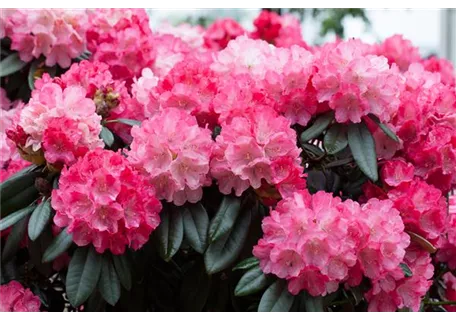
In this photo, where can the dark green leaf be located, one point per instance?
(95, 303)
(109, 283)
(195, 289)
(252, 281)
(385, 128)
(59, 245)
(405, 268)
(83, 274)
(123, 270)
(107, 136)
(224, 219)
(23, 198)
(320, 124)
(276, 298)
(335, 138)
(39, 219)
(313, 304)
(222, 253)
(196, 222)
(129, 122)
(362, 146)
(15, 217)
(170, 232)
(315, 150)
(14, 239)
(338, 163)
(11, 64)
(10, 187)
(32, 71)
(247, 264)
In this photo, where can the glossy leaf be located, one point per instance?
(15, 217)
(39, 219)
(14, 239)
(252, 281)
(129, 122)
(335, 139)
(107, 136)
(362, 146)
(21, 181)
(247, 264)
(170, 232)
(385, 128)
(59, 245)
(23, 198)
(276, 298)
(123, 270)
(109, 283)
(224, 219)
(11, 64)
(196, 223)
(317, 128)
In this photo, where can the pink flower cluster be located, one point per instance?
(395, 291)
(122, 39)
(422, 206)
(399, 51)
(59, 35)
(191, 35)
(15, 298)
(104, 201)
(355, 82)
(257, 146)
(317, 242)
(174, 153)
(282, 31)
(450, 293)
(61, 123)
(447, 252)
(221, 32)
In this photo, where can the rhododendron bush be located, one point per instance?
(183, 168)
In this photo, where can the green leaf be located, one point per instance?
(39, 219)
(313, 304)
(315, 150)
(15, 217)
(224, 219)
(405, 268)
(224, 251)
(320, 124)
(362, 146)
(11, 64)
(276, 298)
(247, 264)
(109, 283)
(385, 128)
(335, 139)
(195, 288)
(107, 136)
(196, 222)
(170, 232)
(123, 270)
(10, 187)
(23, 198)
(252, 281)
(338, 163)
(32, 71)
(129, 122)
(59, 245)
(14, 239)
(83, 274)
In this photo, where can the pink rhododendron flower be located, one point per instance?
(447, 252)
(399, 51)
(450, 292)
(57, 34)
(356, 83)
(396, 171)
(104, 201)
(442, 66)
(192, 35)
(251, 149)
(174, 153)
(169, 50)
(395, 290)
(221, 32)
(41, 127)
(16, 298)
(123, 40)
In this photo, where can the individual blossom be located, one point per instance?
(57, 125)
(399, 51)
(450, 292)
(57, 34)
(123, 40)
(103, 201)
(221, 32)
(395, 290)
(356, 83)
(257, 146)
(397, 171)
(16, 298)
(174, 153)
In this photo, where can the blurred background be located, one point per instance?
(432, 30)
